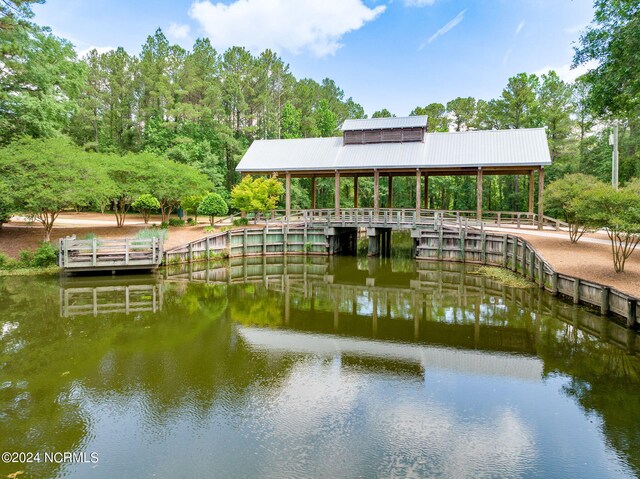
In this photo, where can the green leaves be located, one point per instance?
(213, 205)
(258, 195)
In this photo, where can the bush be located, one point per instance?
(4, 260)
(26, 257)
(176, 222)
(164, 225)
(45, 255)
(209, 229)
(240, 221)
(145, 204)
(192, 222)
(149, 233)
(213, 205)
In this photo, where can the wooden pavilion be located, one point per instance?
(392, 147)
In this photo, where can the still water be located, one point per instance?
(318, 367)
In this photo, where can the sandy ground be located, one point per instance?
(589, 259)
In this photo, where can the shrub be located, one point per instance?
(45, 255)
(209, 229)
(240, 221)
(213, 205)
(192, 222)
(26, 257)
(176, 222)
(90, 236)
(164, 225)
(145, 204)
(4, 260)
(149, 233)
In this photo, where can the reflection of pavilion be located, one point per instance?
(429, 303)
(79, 297)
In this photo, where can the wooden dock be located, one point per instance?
(109, 255)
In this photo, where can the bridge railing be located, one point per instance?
(97, 253)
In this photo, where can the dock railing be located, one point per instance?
(96, 254)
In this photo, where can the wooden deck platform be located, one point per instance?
(109, 255)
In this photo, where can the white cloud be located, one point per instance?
(520, 27)
(419, 3)
(506, 56)
(178, 31)
(566, 73)
(84, 52)
(445, 28)
(293, 25)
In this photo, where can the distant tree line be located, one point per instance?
(203, 108)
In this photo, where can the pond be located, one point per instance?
(311, 367)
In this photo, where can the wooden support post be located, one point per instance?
(390, 190)
(479, 195)
(483, 242)
(426, 191)
(531, 187)
(532, 265)
(604, 301)
(505, 251)
(540, 198)
(515, 253)
(631, 313)
(554, 284)
(287, 188)
(313, 192)
(126, 251)
(337, 192)
(418, 192)
(376, 190)
(94, 251)
(541, 274)
(576, 290)
(355, 191)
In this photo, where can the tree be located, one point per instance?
(560, 200)
(213, 205)
(326, 119)
(436, 116)
(49, 176)
(291, 122)
(518, 101)
(6, 203)
(555, 108)
(618, 211)
(257, 195)
(384, 113)
(463, 111)
(190, 204)
(145, 204)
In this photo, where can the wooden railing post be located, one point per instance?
(126, 251)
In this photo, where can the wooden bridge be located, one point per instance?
(109, 255)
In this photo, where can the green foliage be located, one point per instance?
(190, 204)
(463, 111)
(209, 229)
(4, 260)
(561, 196)
(46, 255)
(149, 233)
(146, 204)
(384, 113)
(213, 205)
(504, 276)
(6, 203)
(436, 116)
(50, 175)
(26, 257)
(618, 211)
(176, 222)
(240, 221)
(164, 225)
(291, 122)
(257, 195)
(326, 119)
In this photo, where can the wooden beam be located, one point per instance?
(376, 189)
(426, 191)
(390, 195)
(355, 191)
(540, 197)
(479, 194)
(287, 189)
(418, 191)
(531, 188)
(337, 192)
(313, 192)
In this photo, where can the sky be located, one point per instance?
(394, 54)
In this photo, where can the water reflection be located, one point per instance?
(314, 367)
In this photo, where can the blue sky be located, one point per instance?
(394, 54)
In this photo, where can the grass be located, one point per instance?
(504, 276)
(45, 271)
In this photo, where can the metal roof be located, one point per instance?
(487, 148)
(385, 123)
